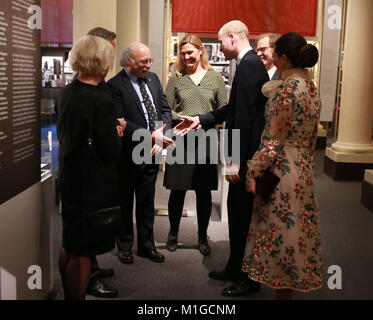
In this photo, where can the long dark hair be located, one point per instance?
(297, 50)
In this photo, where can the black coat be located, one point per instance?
(80, 102)
(245, 109)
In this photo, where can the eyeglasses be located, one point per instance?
(262, 49)
(145, 61)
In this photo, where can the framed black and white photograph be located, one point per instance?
(52, 73)
(217, 59)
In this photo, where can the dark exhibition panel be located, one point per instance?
(20, 64)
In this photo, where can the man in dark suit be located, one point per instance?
(245, 111)
(265, 45)
(139, 98)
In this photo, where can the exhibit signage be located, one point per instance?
(20, 79)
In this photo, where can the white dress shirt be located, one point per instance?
(242, 53)
(271, 72)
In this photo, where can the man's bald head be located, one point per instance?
(233, 38)
(235, 26)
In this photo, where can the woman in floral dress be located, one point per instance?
(283, 248)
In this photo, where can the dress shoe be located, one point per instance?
(171, 244)
(152, 255)
(102, 273)
(99, 289)
(241, 288)
(222, 275)
(125, 257)
(203, 247)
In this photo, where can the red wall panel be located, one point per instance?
(57, 21)
(207, 16)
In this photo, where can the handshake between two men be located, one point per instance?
(163, 142)
(188, 123)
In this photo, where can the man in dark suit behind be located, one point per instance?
(265, 45)
(245, 111)
(139, 98)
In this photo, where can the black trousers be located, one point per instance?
(175, 209)
(137, 181)
(240, 206)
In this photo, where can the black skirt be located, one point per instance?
(192, 176)
(74, 236)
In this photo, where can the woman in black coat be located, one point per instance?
(85, 103)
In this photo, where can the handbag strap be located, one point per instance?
(90, 122)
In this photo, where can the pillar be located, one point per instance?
(131, 20)
(88, 14)
(352, 153)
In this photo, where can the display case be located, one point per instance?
(56, 73)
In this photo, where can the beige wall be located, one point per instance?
(129, 19)
(88, 14)
(128, 26)
(24, 241)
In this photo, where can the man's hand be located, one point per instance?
(188, 123)
(232, 173)
(156, 149)
(160, 139)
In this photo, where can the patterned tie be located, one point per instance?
(152, 114)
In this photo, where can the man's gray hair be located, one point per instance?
(126, 55)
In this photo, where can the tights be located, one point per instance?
(175, 210)
(75, 273)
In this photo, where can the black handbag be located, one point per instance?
(102, 214)
(265, 184)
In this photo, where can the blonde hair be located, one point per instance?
(271, 36)
(196, 42)
(92, 55)
(236, 27)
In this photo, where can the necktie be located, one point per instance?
(152, 115)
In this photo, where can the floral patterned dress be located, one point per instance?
(283, 247)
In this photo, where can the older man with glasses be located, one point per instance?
(139, 98)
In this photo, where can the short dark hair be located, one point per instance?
(102, 33)
(294, 46)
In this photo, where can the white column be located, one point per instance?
(355, 121)
(156, 35)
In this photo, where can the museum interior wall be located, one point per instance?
(31, 77)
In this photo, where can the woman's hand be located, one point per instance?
(231, 172)
(122, 122)
(250, 185)
(120, 130)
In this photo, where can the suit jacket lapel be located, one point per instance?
(129, 88)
